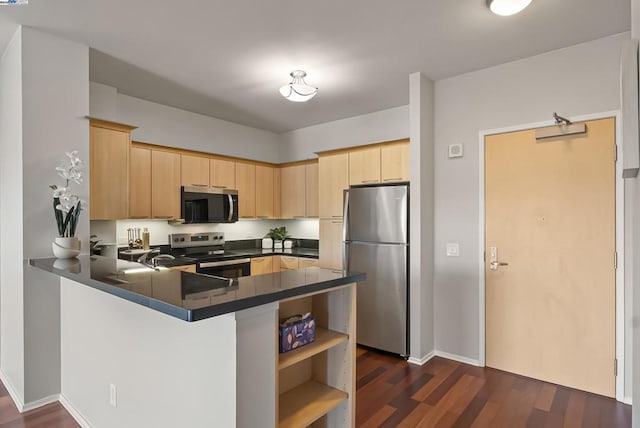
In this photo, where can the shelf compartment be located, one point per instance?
(325, 339)
(307, 403)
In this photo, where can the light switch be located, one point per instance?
(453, 250)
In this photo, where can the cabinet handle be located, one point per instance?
(263, 216)
(299, 216)
(139, 216)
(200, 185)
(336, 216)
(219, 187)
(369, 181)
(163, 216)
(336, 222)
(392, 179)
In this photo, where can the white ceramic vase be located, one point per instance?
(66, 248)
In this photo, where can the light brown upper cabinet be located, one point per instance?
(277, 192)
(246, 185)
(165, 184)
(364, 165)
(293, 185)
(222, 173)
(264, 191)
(194, 170)
(109, 151)
(312, 190)
(333, 175)
(395, 162)
(140, 183)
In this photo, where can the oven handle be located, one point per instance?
(225, 263)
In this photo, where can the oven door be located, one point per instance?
(226, 268)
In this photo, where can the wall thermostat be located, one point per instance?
(455, 151)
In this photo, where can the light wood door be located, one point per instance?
(246, 185)
(293, 194)
(330, 243)
(264, 191)
(333, 177)
(277, 192)
(288, 262)
(194, 170)
(222, 173)
(140, 183)
(109, 168)
(261, 265)
(364, 166)
(394, 162)
(165, 184)
(550, 214)
(311, 195)
(304, 262)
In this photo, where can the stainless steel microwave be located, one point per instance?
(209, 205)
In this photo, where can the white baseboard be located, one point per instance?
(41, 402)
(13, 392)
(627, 400)
(82, 421)
(421, 361)
(457, 358)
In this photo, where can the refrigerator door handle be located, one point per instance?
(345, 223)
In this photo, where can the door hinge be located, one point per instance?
(615, 367)
(485, 256)
(615, 153)
(615, 260)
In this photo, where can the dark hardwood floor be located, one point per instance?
(50, 416)
(444, 393)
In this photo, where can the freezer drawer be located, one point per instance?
(378, 214)
(382, 297)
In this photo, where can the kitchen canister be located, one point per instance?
(267, 243)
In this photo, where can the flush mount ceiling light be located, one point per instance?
(298, 91)
(507, 7)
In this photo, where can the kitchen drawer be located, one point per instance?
(305, 263)
(288, 262)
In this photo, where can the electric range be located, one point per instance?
(207, 249)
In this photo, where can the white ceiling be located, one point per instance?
(227, 59)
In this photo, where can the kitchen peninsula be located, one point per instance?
(145, 347)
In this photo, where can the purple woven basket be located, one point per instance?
(297, 334)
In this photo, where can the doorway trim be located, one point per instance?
(620, 286)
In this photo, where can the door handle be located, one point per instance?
(494, 264)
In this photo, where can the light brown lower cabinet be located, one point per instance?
(261, 265)
(288, 262)
(331, 243)
(304, 262)
(188, 268)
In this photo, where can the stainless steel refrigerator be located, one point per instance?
(376, 241)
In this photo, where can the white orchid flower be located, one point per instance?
(61, 191)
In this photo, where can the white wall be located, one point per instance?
(168, 372)
(578, 80)
(385, 125)
(11, 245)
(169, 126)
(421, 91)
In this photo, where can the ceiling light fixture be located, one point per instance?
(507, 7)
(298, 91)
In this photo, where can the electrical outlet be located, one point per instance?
(113, 395)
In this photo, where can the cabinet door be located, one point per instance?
(140, 183)
(264, 191)
(165, 184)
(288, 262)
(312, 190)
(333, 175)
(276, 263)
(222, 173)
(394, 162)
(246, 185)
(330, 244)
(364, 166)
(109, 169)
(305, 263)
(194, 170)
(188, 268)
(293, 185)
(261, 265)
(277, 192)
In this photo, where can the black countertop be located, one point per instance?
(191, 296)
